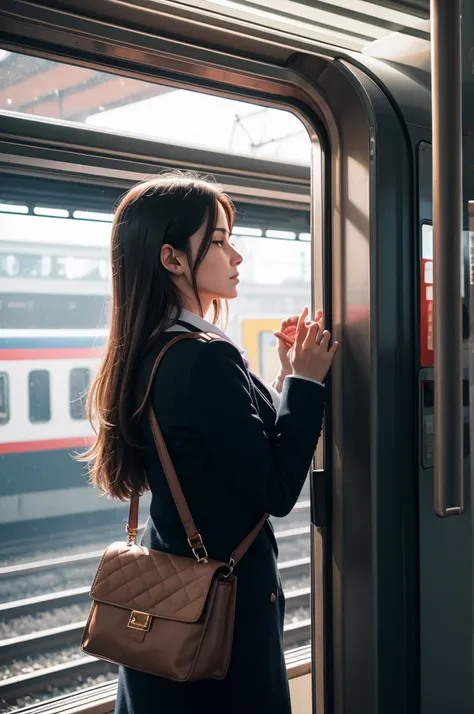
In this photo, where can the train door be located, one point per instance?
(445, 539)
(445, 498)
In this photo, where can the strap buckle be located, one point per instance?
(132, 535)
(196, 545)
(231, 566)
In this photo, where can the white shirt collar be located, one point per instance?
(204, 326)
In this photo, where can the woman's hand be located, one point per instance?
(310, 355)
(286, 336)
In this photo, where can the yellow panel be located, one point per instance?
(251, 329)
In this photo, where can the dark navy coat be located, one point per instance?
(236, 459)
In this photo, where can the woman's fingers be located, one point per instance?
(292, 320)
(317, 336)
(301, 328)
(325, 337)
(289, 331)
(312, 336)
(299, 325)
(289, 341)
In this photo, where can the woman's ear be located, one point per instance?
(172, 260)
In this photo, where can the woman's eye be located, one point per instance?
(220, 243)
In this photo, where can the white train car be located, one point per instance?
(54, 294)
(53, 327)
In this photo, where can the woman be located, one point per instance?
(236, 456)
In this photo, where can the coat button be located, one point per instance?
(273, 597)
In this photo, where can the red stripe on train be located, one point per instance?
(52, 353)
(18, 447)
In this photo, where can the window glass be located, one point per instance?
(39, 395)
(79, 382)
(4, 398)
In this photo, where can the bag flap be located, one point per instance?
(162, 585)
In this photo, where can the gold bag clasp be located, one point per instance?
(139, 621)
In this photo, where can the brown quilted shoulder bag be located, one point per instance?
(163, 614)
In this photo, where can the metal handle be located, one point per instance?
(447, 231)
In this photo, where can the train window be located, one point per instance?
(55, 289)
(4, 398)
(79, 382)
(45, 88)
(39, 395)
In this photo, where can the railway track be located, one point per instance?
(49, 658)
(103, 695)
(299, 518)
(68, 542)
(59, 675)
(61, 537)
(73, 596)
(54, 638)
(38, 566)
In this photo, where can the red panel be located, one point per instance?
(51, 353)
(426, 315)
(17, 447)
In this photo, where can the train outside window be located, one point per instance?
(79, 382)
(4, 398)
(39, 396)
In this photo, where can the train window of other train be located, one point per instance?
(39, 396)
(4, 398)
(79, 381)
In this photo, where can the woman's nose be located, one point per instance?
(237, 258)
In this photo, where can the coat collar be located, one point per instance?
(204, 326)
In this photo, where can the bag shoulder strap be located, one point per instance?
(194, 538)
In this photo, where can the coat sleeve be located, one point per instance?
(269, 475)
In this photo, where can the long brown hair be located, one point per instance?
(167, 209)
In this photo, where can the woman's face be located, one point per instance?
(218, 274)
